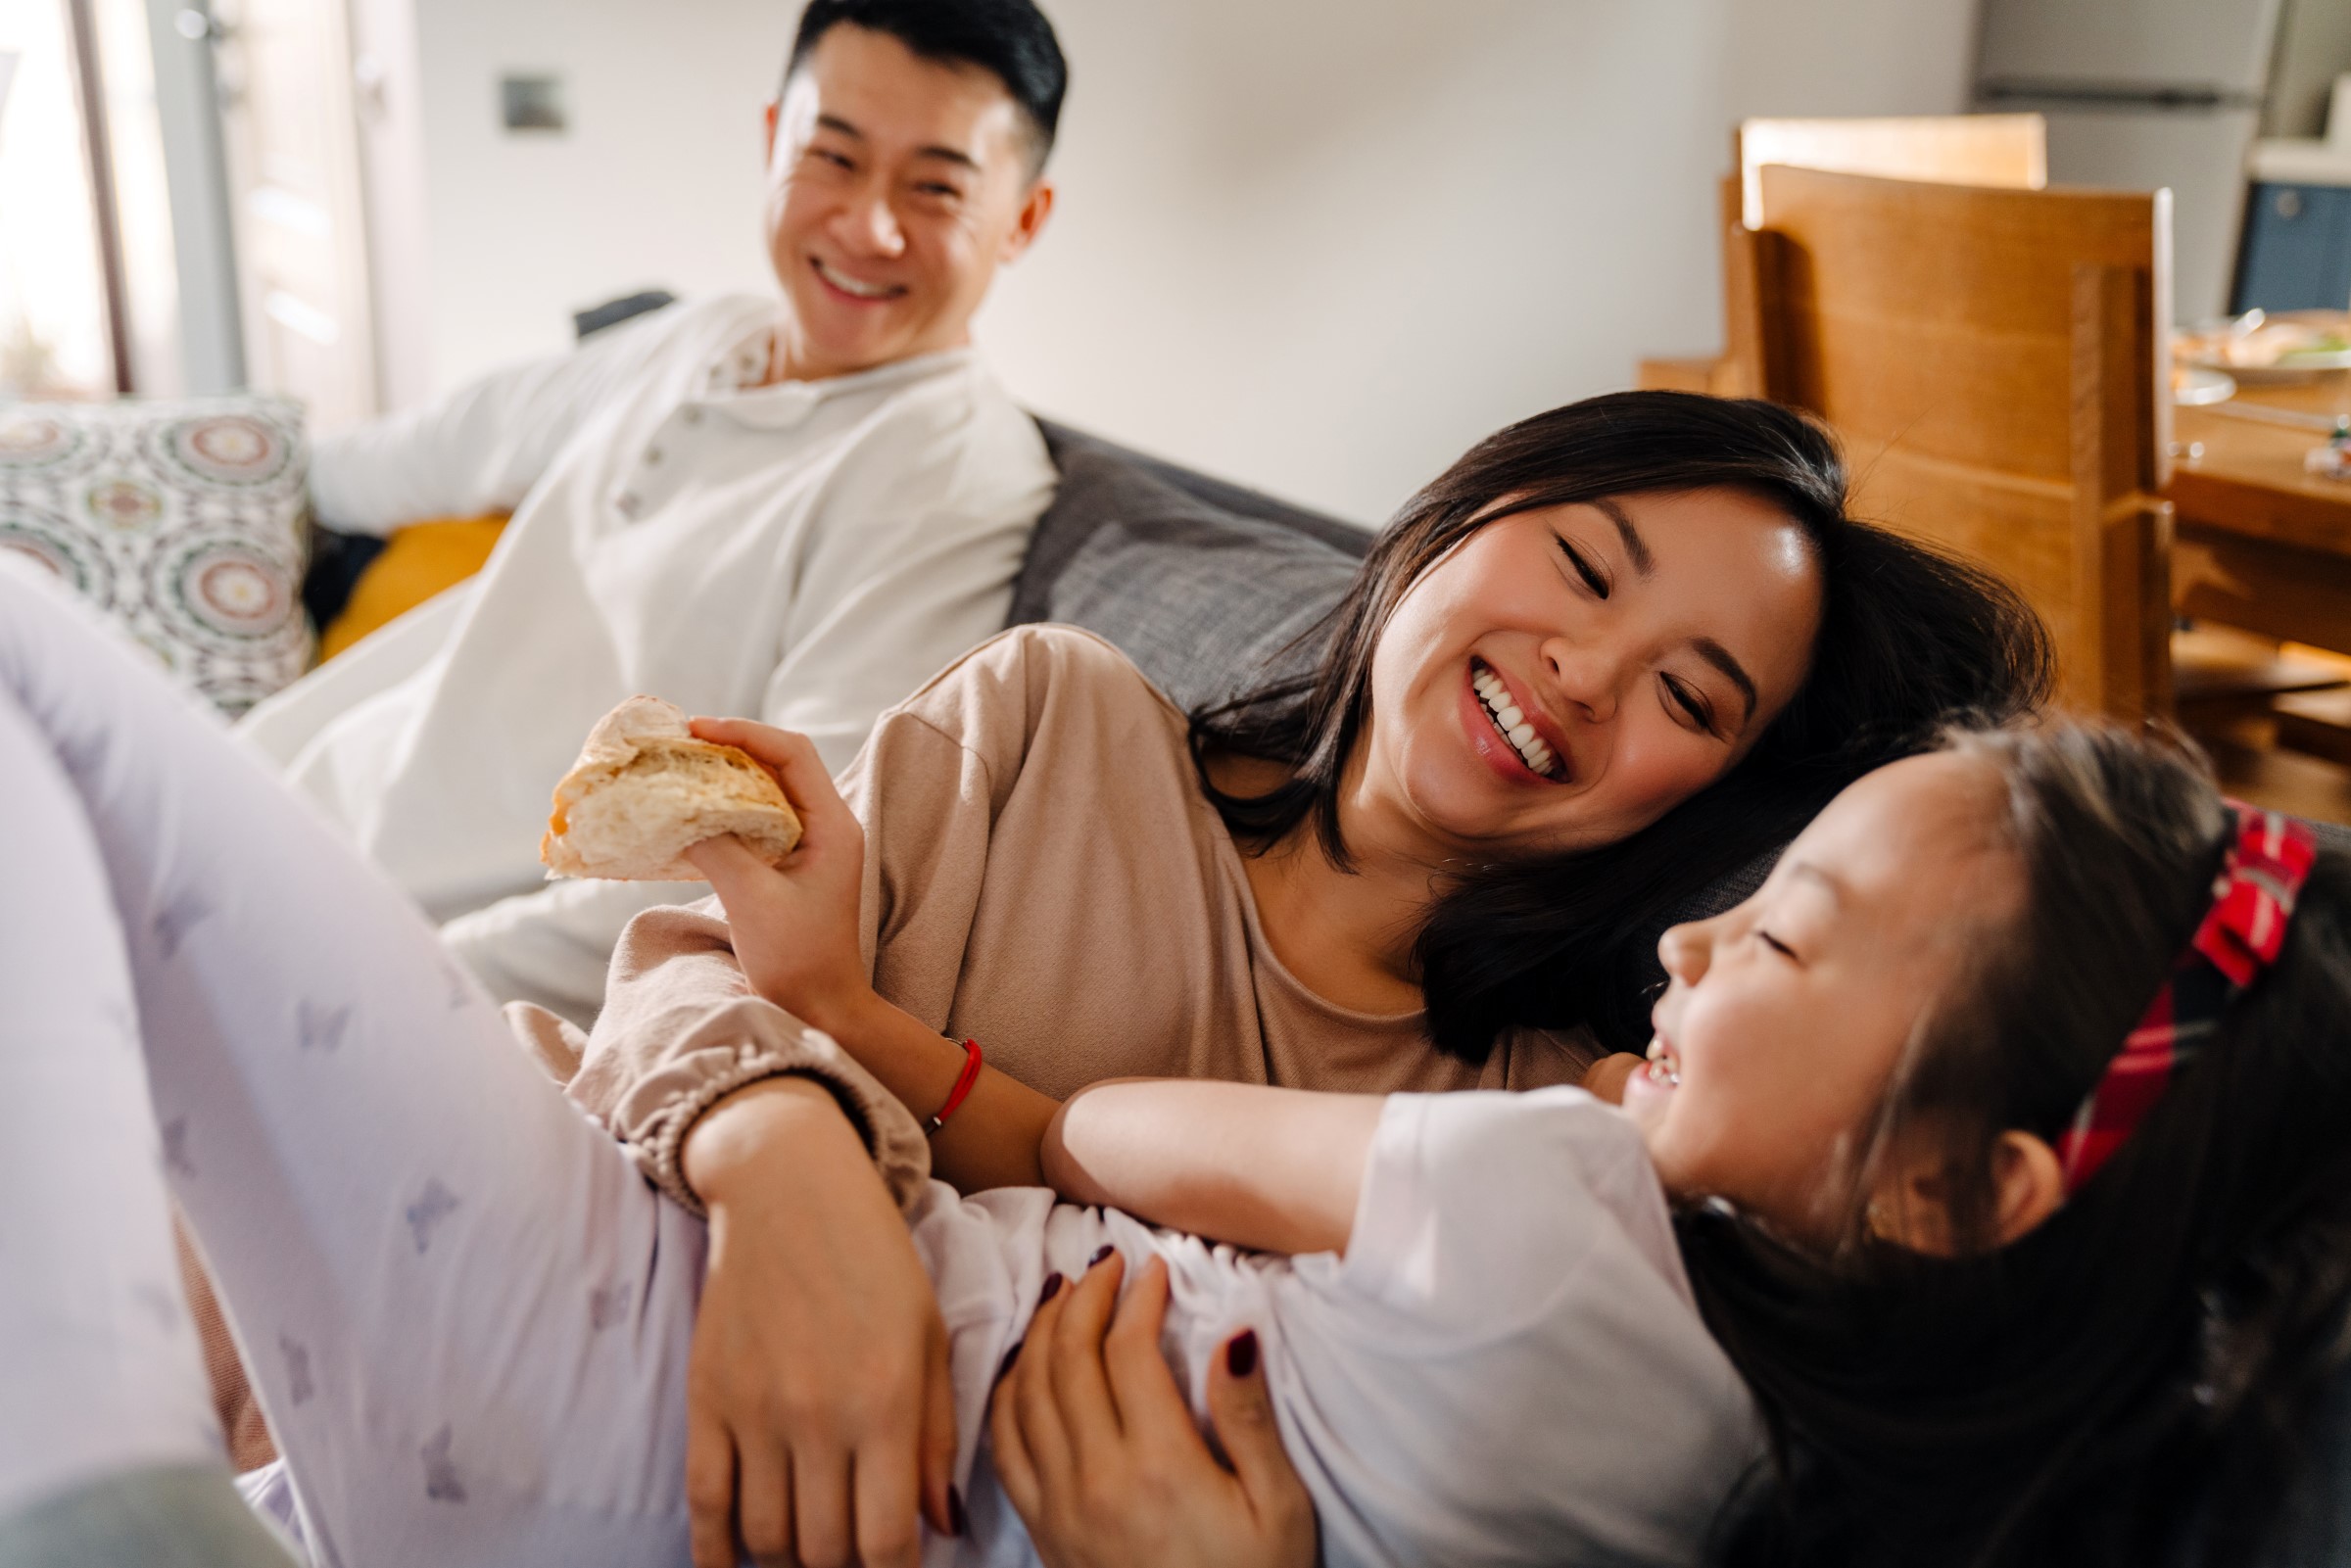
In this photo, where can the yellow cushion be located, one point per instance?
(417, 563)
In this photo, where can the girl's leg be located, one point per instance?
(466, 1316)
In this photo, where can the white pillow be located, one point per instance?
(184, 521)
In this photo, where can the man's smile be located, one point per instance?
(856, 288)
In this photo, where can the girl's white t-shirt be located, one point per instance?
(1507, 1365)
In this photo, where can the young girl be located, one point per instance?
(1484, 1347)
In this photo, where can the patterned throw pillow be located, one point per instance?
(184, 521)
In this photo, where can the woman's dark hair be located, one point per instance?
(1009, 38)
(1907, 638)
(2129, 1382)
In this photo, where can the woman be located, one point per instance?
(1611, 654)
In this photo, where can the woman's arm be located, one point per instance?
(1272, 1168)
(819, 1408)
(796, 936)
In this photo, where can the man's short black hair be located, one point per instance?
(1009, 39)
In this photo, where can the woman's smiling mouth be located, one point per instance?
(1509, 722)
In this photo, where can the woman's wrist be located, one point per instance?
(749, 1141)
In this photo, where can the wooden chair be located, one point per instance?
(2004, 151)
(1989, 359)
(2000, 150)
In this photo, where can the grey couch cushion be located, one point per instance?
(1212, 590)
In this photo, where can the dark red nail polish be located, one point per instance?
(1004, 1369)
(955, 1516)
(1100, 1253)
(1240, 1356)
(1051, 1290)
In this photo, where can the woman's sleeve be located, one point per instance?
(682, 1027)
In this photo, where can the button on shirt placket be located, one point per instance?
(635, 498)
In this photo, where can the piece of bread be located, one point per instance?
(645, 789)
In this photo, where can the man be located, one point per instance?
(794, 507)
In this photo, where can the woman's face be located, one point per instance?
(1563, 678)
(1785, 1018)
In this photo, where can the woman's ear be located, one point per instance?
(2030, 1181)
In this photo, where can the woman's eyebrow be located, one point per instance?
(1721, 659)
(1635, 545)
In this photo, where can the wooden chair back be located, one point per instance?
(2010, 150)
(1990, 360)
(1998, 150)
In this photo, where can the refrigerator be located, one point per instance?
(2140, 94)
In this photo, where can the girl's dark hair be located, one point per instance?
(1907, 638)
(2127, 1383)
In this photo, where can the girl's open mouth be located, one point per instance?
(1664, 1069)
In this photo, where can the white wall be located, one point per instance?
(657, 182)
(1319, 246)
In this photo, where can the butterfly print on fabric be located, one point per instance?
(434, 1205)
(176, 1158)
(177, 919)
(321, 1028)
(609, 1305)
(299, 1387)
(441, 1482)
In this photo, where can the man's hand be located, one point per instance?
(819, 1411)
(795, 927)
(1097, 1451)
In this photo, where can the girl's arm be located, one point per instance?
(1277, 1169)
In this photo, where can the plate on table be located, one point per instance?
(2194, 386)
(2257, 347)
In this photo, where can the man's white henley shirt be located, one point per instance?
(806, 552)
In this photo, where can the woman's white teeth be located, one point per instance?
(1509, 721)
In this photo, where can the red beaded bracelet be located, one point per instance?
(962, 1090)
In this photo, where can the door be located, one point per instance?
(287, 115)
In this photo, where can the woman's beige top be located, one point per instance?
(1042, 874)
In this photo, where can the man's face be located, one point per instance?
(895, 187)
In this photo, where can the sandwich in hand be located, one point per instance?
(644, 790)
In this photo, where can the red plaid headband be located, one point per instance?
(2252, 900)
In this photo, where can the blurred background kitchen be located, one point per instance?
(1319, 246)
(1316, 245)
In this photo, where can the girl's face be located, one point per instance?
(1562, 678)
(1785, 1019)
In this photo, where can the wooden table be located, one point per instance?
(2260, 543)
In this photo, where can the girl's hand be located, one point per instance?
(795, 927)
(1096, 1448)
(819, 1413)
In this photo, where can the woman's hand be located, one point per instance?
(1097, 1451)
(819, 1411)
(795, 927)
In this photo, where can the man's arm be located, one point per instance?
(909, 567)
(480, 448)
(1278, 1170)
